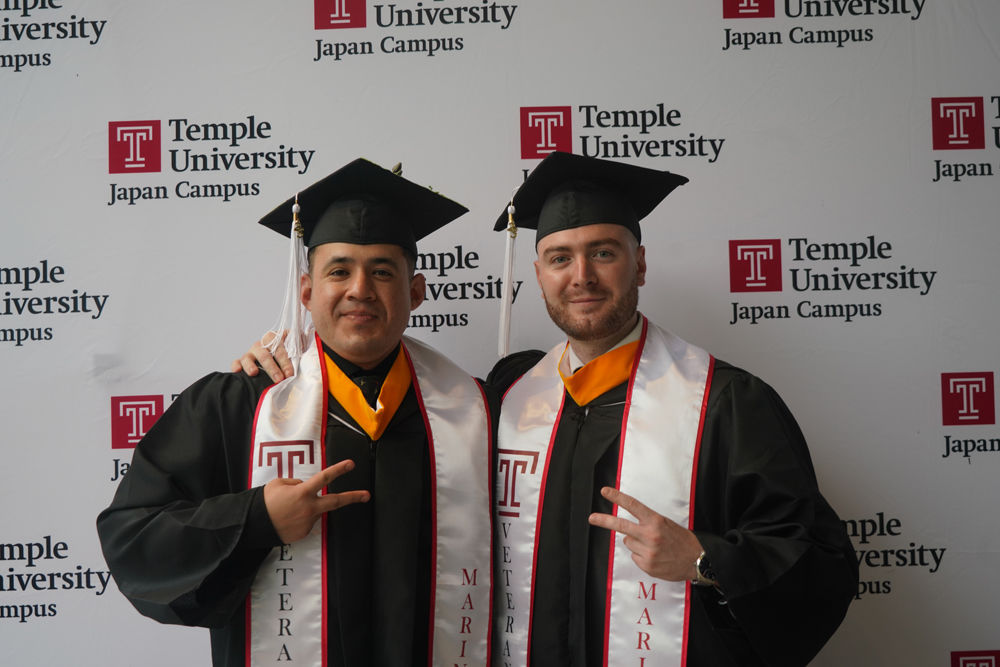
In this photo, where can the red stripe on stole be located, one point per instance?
(249, 599)
(433, 492)
(538, 523)
(694, 479)
(490, 445)
(324, 642)
(618, 483)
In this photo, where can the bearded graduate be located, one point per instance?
(340, 517)
(655, 505)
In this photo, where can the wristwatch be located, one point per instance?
(704, 574)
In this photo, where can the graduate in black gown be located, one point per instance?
(184, 536)
(771, 566)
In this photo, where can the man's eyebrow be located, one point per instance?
(592, 244)
(351, 261)
(379, 261)
(333, 261)
(606, 241)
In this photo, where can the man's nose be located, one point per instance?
(361, 287)
(583, 272)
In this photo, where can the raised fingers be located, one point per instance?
(321, 479)
(633, 506)
(615, 523)
(332, 501)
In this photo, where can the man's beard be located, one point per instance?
(586, 328)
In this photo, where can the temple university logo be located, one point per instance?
(755, 266)
(333, 14)
(967, 399)
(975, 659)
(748, 9)
(133, 146)
(132, 417)
(958, 123)
(284, 454)
(512, 464)
(545, 129)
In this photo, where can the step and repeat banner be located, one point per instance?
(838, 237)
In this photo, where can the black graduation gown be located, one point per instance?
(183, 536)
(782, 556)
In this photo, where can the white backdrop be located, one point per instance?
(808, 129)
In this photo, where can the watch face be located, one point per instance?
(705, 568)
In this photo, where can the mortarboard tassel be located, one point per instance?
(507, 298)
(294, 319)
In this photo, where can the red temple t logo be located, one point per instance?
(958, 123)
(284, 454)
(755, 266)
(975, 659)
(133, 146)
(333, 14)
(748, 9)
(967, 399)
(544, 130)
(132, 417)
(511, 465)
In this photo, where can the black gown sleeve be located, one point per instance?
(507, 371)
(781, 554)
(183, 536)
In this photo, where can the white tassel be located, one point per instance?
(503, 341)
(294, 321)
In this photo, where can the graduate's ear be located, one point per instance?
(305, 289)
(418, 290)
(640, 258)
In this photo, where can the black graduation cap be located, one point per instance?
(363, 203)
(566, 191)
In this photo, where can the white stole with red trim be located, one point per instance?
(646, 618)
(286, 612)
